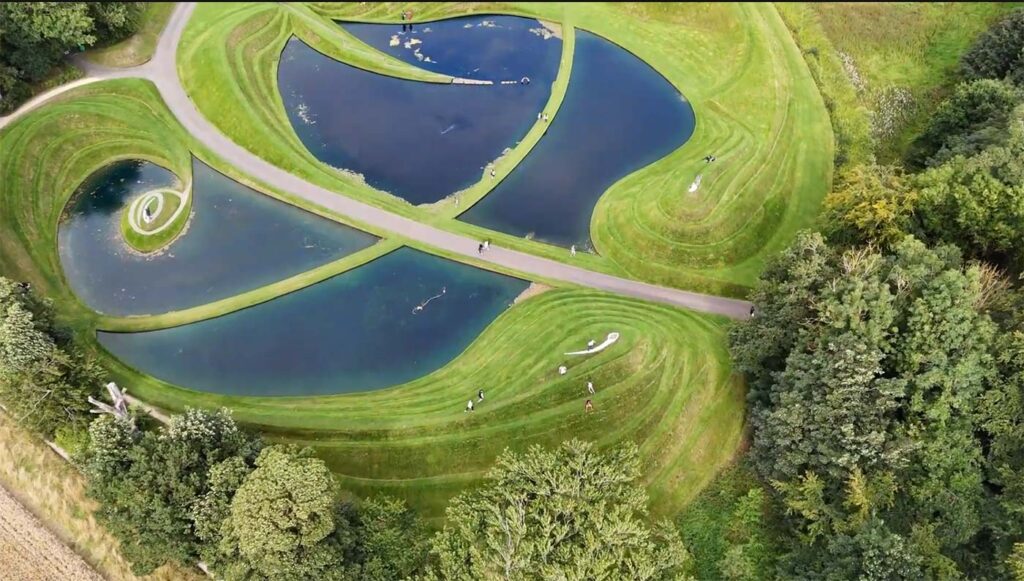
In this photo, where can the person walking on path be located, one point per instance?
(572, 250)
(480, 248)
(480, 395)
(469, 406)
(487, 245)
(590, 387)
(589, 406)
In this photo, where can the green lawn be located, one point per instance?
(668, 384)
(757, 108)
(139, 47)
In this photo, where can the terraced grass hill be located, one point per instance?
(757, 109)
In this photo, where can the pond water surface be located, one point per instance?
(618, 115)
(422, 141)
(237, 240)
(357, 331)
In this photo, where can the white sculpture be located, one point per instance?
(120, 407)
(612, 337)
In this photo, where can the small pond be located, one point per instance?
(422, 141)
(357, 331)
(618, 116)
(237, 240)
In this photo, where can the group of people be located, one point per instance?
(542, 116)
(589, 405)
(406, 18)
(479, 398)
(485, 245)
(709, 158)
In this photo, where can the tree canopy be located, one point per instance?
(570, 513)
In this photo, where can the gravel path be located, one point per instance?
(162, 71)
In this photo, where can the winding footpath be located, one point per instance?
(162, 71)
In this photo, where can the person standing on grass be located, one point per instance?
(590, 387)
(589, 406)
(480, 395)
(572, 250)
(469, 406)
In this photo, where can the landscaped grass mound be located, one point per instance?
(758, 111)
(666, 384)
(48, 153)
(154, 219)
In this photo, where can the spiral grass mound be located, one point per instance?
(155, 218)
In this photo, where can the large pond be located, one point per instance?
(618, 115)
(357, 331)
(237, 240)
(422, 141)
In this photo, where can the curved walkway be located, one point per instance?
(162, 71)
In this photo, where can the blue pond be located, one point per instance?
(357, 331)
(237, 240)
(618, 115)
(422, 141)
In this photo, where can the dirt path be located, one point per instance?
(29, 551)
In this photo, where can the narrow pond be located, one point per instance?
(618, 116)
(358, 331)
(422, 141)
(237, 240)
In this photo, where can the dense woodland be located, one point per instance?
(35, 37)
(885, 368)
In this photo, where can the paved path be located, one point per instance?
(162, 71)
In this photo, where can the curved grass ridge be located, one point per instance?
(774, 146)
(666, 384)
(47, 155)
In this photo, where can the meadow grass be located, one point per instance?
(915, 46)
(757, 109)
(139, 47)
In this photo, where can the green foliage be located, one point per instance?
(284, 522)
(728, 529)
(866, 409)
(978, 202)
(44, 380)
(73, 440)
(999, 52)
(974, 117)
(568, 513)
(870, 204)
(149, 484)
(393, 543)
(35, 36)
